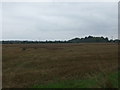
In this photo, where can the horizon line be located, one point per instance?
(57, 39)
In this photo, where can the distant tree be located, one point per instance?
(88, 39)
(75, 40)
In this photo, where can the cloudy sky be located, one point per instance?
(58, 20)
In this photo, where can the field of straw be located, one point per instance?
(38, 65)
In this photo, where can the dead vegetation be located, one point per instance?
(25, 65)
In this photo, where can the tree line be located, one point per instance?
(89, 39)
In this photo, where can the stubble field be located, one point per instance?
(60, 65)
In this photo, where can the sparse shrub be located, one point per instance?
(35, 47)
(24, 48)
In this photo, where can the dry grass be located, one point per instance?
(25, 65)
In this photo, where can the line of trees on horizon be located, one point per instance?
(89, 39)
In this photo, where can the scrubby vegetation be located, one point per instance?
(67, 65)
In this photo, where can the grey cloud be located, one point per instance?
(58, 21)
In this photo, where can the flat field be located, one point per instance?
(60, 65)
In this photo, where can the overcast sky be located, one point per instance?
(58, 21)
